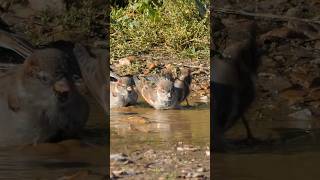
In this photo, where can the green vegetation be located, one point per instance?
(82, 19)
(172, 27)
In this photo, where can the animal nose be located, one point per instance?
(61, 86)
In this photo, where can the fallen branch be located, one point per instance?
(194, 67)
(262, 15)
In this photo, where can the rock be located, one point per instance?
(207, 153)
(187, 148)
(293, 96)
(119, 173)
(201, 169)
(152, 66)
(304, 114)
(314, 94)
(300, 78)
(150, 154)
(276, 83)
(197, 175)
(119, 157)
(204, 99)
(126, 61)
(56, 6)
(189, 175)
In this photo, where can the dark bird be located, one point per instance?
(233, 87)
(182, 85)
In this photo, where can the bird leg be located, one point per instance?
(250, 137)
(246, 124)
(188, 105)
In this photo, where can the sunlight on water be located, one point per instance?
(145, 125)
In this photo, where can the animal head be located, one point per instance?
(125, 85)
(185, 75)
(47, 68)
(165, 89)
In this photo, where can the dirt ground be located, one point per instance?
(156, 62)
(178, 161)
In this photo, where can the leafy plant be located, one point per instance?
(174, 27)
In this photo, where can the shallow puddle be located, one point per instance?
(267, 166)
(53, 161)
(289, 149)
(138, 126)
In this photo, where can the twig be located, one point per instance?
(189, 66)
(263, 15)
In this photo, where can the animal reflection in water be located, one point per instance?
(39, 101)
(166, 125)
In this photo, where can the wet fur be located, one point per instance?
(41, 117)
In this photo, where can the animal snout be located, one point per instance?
(62, 89)
(61, 86)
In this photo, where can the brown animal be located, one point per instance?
(80, 63)
(159, 92)
(38, 101)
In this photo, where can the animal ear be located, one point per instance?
(31, 66)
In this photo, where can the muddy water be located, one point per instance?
(289, 149)
(134, 127)
(52, 161)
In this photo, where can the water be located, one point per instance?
(289, 150)
(142, 125)
(52, 161)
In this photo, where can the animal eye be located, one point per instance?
(45, 79)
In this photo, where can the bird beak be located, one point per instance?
(61, 86)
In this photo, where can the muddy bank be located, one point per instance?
(178, 161)
(285, 113)
(155, 144)
(287, 83)
(156, 62)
